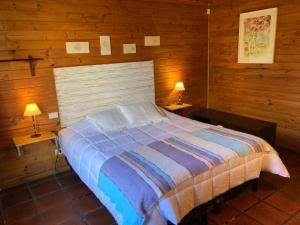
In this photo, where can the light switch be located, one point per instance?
(53, 115)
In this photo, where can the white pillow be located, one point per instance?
(109, 120)
(141, 114)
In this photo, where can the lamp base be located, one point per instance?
(35, 135)
(179, 101)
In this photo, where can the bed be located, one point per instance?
(183, 163)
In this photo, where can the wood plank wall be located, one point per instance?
(41, 28)
(270, 92)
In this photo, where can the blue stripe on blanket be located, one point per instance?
(192, 164)
(138, 192)
(253, 141)
(147, 171)
(240, 148)
(115, 195)
(167, 178)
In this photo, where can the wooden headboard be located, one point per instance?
(83, 90)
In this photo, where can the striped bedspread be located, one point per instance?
(135, 180)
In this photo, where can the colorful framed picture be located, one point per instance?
(257, 36)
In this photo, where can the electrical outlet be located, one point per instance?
(58, 152)
(53, 115)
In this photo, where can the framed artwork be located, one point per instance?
(257, 35)
(77, 47)
(105, 48)
(129, 48)
(152, 40)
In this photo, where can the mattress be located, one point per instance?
(87, 148)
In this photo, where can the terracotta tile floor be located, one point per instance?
(64, 200)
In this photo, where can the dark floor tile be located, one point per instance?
(42, 180)
(35, 220)
(86, 204)
(13, 189)
(42, 188)
(19, 212)
(292, 188)
(277, 181)
(243, 200)
(68, 180)
(284, 202)
(75, 220)
(59, 214)
(100, 217)
(293, 221)
(210, 222)
(243, 220)
(227, 214)
(65, 173)
(52, 200)
(78, 191)
(267, 215)
(18, 195)
(265, 189)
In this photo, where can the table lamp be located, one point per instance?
(33, 110)
(179, 87)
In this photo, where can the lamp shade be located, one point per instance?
(179, 86)
(32, 110)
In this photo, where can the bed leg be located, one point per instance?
(255, 185)
(216, 208)
(203, 219)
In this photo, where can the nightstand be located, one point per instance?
(26, 140)
(182, 110)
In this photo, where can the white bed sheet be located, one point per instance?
(87, 148)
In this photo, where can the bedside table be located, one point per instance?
(182, 110)
(26, 140)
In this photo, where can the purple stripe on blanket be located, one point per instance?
(199, 151)
(138, 192)
(192, 164)
(160, 182)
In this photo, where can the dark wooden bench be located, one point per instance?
(260, 128)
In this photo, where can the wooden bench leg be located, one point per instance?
(216, 208)
(203, 219)
(255, 185)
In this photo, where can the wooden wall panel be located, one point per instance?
(270, 92)
(41, 28)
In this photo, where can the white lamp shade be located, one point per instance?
(32, 110)
(179, 86)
